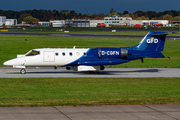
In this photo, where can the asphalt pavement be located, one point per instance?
(80, 35)
(8, 72)
(114, 112)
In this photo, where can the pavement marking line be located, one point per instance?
(62, 112)
(18, 71)
(161, 112)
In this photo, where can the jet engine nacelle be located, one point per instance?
(112, 53)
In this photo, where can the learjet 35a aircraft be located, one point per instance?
(91, 59)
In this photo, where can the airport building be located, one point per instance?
(7, 22)
(2, 20)
(109, 21)
(121, 21)
(94, 23)
(116, 21)
(77, 23)
(44, 23)
(57, 23)
(152, 22)
(11, 22)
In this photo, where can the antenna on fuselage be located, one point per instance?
(74, 47)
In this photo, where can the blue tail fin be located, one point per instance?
(153, 41)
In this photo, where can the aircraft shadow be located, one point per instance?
(92, 73)
(116, 72)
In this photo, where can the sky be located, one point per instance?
(92, 6)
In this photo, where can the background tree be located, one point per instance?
(97, 18)
(168, 17)
(93, 16)
(52, 17)
(134, 17)
(80, 16)
(89, 16)
(151, 14)
(72, 13)
(113, 13)
(23, 16)
(177, 18)
(140, 13)
(86, 18)
(75, 18)
(101, 16)
(143, 18)
(125, 12)
(46, 15)
(112, 10)
(30, 19)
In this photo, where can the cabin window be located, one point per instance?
(70, 53)
(63, 54)
(77, 53)
(32, 53)
(56, 54)
(85, 54)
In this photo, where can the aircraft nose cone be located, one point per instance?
(7, 63)
(14, 62)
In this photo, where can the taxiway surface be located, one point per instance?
(7, 72)
(118, 112)
(80, 35)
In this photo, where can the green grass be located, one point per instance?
(88, 91)
(12, 45)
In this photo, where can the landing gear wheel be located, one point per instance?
(23, 71)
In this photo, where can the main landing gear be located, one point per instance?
(23, 71)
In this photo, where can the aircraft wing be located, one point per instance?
(102, 62)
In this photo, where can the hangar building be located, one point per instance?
(2, 20)
(115, 20)
(77, 23)
(11, 22)
(57, 23)
(7, 22)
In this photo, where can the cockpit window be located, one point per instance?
(32, 53)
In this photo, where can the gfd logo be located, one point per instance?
(152, 40)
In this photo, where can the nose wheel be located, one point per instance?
(23, 71)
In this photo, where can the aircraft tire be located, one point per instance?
(23, 71)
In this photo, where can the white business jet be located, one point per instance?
(91, 59)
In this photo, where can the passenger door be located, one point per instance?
(49, 56)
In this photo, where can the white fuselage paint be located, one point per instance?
(48, 57)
